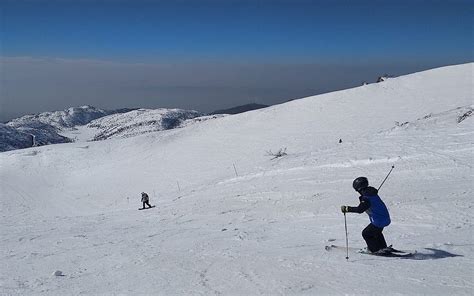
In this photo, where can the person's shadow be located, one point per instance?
(432, 254)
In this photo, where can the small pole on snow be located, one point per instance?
(386, 177)
(347, 240)
(179, 189)
(235, 170)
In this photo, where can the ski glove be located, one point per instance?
(344, 209)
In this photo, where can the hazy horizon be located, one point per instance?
(209, 55)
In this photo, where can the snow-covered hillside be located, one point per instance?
(229, 220)
(88, 123)
(133, 123)
(46, 127)
(61, 119)
(11, 138)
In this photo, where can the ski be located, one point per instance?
(145, 208)
(331, 247)
(396, 251)
(390, 252)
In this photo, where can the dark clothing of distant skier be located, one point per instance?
(378, 213)
(145, 200)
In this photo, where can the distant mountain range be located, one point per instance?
(240, 109)
(139, 121)
(44, 128)
(87, 123)
(63, 119)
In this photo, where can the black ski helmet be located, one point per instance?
(360, 183)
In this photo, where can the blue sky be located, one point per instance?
(371, 36)
(137, 30)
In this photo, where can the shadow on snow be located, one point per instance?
(432, 254)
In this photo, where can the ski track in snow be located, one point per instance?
(262, 232)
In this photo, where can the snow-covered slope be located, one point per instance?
(432, 121)
(47, 126)
(138, 122)
(88, 123)
(229, 220)
(61, 119)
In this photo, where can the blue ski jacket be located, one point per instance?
(373, 205)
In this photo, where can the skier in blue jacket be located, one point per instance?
(379, 217)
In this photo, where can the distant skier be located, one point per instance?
(145, 200)
(379, 217)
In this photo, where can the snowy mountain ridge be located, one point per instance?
(230, 220)
(68, 118)
(88, 123)
(45, 128)
(139, 121)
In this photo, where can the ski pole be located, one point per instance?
(386, 177)
(347, 240)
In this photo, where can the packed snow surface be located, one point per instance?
(229, 220)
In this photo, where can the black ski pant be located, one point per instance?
(374, 238)
(146, 203)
